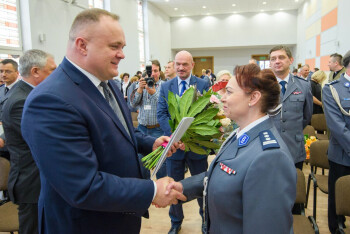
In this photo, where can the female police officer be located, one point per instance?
(250, 186)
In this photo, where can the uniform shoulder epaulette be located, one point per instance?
(333, 82)
(268, 140)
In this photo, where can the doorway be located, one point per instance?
(200, 63)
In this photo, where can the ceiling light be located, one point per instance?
(296, 0)
(183, 15)
(167, 0)
(264, 3)
(235, 12)
(204, 7)
(233, 5)
(262, 10)
(175, 9)
(208, 13)
(281, 9)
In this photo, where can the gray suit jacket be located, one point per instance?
(295, 114)
(24, 180)
(259, 195)
(337, 122)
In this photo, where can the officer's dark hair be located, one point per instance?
(157, 63)
(207, 71)
(337, 57)
(282, 47)
(250, 78)
(10, 61)
(346, 59)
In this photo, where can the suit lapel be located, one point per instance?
(94, 95)
(174, 87)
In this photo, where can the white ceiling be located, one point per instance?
(212, 7)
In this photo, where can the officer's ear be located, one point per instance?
(255, 96)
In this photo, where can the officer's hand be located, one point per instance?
(174, 185)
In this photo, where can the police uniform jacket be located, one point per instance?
(251, 184)
(337, 122)
(295, 114)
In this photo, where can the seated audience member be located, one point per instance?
(253, 162)
(316, 81)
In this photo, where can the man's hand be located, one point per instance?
(142, 85)
(174, 185)
(159, 141)
(151, 90)
(2, 143)
(163, 199)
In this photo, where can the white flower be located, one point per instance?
(225, 122)
(220, 113)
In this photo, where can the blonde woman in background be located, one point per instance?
(316, 81)
(223, 75)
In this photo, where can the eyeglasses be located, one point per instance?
(6, 71)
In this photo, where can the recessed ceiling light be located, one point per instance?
(281, 9)
(183, 15)
(235, 12)
(262, 10)
(204, 7)
(175, 9)
(296, 0)
(233, 5)
(208, 13)
(264, 3)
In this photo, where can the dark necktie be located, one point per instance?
(113, 103)
(183, 87)
(283, 88)
(6, 90)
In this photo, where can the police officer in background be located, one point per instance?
(297, 103)
(336, 103)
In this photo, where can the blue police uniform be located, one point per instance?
(295, 114)
(339, 147)
(251, 184)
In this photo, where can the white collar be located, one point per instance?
(91, 77)
(286, 79)
(250, 126)
(187, 80)
(346, 76)
(11, 85)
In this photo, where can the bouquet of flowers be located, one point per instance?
(308, 140)
(205, 127)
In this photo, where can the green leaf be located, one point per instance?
(185, 102)
(207, 144)
(198, 106)
(205, 116)
(171, 123)
(211, 122)
(196, 149)
(204, 129)
(172, 103)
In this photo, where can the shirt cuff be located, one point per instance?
(155, 190)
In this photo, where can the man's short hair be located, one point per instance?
(295, 70)
(156, 62)
(207, 71)
(30, 59)
(338, 58)
(282, 47)
(346, 59)
(10, 61)
(88, 17)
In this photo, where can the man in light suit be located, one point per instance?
(9, 74)
(80, 133)
(176, 164)
(296, 101)
(24, 180)
(339, 126)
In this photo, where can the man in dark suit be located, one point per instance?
(80, 133)
(9, 74)
(176, 164)
(24, 180)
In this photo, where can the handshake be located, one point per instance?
(168, 193)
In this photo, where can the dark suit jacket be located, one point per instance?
(24, 179)
(163, 115)
(91, 179)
